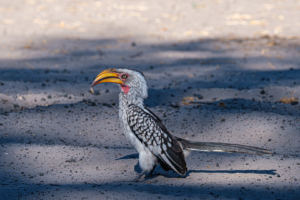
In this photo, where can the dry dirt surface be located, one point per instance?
(221, 71)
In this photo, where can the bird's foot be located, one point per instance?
(139, 176)
(150, 174)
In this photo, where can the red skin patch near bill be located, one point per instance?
(125, 88)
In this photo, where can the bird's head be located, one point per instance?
(131, 81)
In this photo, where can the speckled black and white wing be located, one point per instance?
(150, 131)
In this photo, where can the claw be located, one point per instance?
(139, 176)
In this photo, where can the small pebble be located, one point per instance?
(199, 96)
(294, 103)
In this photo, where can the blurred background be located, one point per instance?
(51, 50)
(217, 70)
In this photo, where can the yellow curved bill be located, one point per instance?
(108, 75)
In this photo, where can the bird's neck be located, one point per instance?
(130, 98)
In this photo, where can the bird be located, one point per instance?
(146, 132)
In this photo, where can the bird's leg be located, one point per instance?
(150, 173)
(139, 176)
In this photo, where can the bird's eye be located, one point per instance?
(124, 76)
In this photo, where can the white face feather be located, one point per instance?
(136, 81)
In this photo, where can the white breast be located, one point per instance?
(146, 159)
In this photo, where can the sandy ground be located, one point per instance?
(235, 59)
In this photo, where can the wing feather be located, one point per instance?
(148, 128)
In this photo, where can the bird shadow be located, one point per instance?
(189, 172)
(268, 172)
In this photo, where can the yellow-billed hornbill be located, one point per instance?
(148, 135)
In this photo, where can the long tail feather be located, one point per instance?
(222, 147)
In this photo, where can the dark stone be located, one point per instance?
(174, 105)
(199, 96)
(294, 103)
(96, 92)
